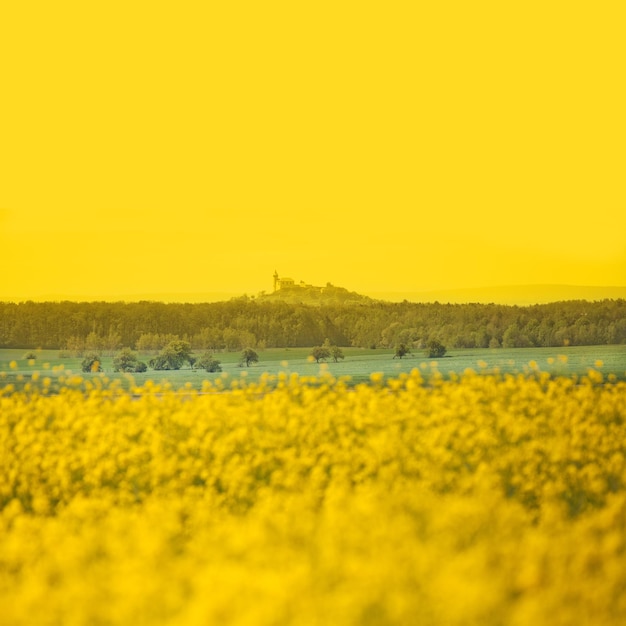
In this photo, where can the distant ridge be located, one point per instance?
(521, 295)
(214, 296)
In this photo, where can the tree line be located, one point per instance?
(80, 327)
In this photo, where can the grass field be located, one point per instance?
(357, 365)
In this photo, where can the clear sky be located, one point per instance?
(179, 147)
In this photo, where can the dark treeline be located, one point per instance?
(246, 322)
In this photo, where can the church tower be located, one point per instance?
(275, 280)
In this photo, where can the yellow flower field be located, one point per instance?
(484, 500)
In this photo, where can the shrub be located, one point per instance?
(249, 356)
(337, 353)
(435, 349)
(172, 356)
(91, 363)
(401, 351)
(126, 360)
(320, 353)
(208, 363)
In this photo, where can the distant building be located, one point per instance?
(282, 283)
(286, 282)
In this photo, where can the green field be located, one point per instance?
(358, 364)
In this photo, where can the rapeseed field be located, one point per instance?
(481, 500)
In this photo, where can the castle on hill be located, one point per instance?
(290, 283)
(288, 290)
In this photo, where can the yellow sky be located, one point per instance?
(153, 147)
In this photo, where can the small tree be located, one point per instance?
(126, 360)
(249, 356)
(337, 353)
(182, 348)
(208, 363)
(401, 351)
(91, 363)
(320, 353)
(435, 349)
(167, 359)
(172, 356)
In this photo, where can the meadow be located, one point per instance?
(483, 499)
(357, 366)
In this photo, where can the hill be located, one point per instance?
(521, 295)
(316, 296)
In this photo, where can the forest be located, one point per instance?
(247, 322)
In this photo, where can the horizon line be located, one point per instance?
(493, 293)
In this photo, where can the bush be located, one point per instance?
(435, 349)
(337, 353)
(30, 356)
(208, 363)
(91, 363)
(249, 356)
(126, 361)
(172, 356)
(401, 351)
(320, 353)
